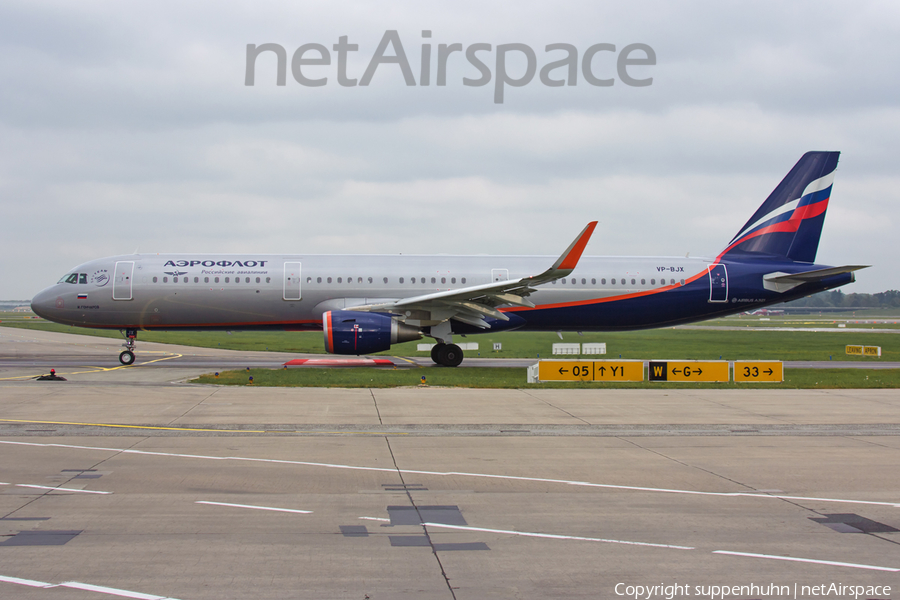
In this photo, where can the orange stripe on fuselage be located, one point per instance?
(667, 288)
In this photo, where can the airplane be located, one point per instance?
(365, 304)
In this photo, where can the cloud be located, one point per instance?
(128, 125)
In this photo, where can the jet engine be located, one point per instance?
(353, 332)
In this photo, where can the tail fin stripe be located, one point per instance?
(819, 184)
(798, 209)
(790, 225)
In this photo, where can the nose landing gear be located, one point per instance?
(127, 355)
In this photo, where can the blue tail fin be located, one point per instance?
(789, 223)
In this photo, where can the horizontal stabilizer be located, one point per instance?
(784, 282)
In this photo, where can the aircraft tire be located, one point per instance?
(435, 352)
(450, 355)
(126, 357)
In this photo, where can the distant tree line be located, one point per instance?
(838, 299)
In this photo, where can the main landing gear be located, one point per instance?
(447, 355)
(127, 355)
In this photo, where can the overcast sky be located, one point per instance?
(128, 126)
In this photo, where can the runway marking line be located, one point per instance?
(84, 586)
(557, 537)
(61, 489)
(830, 563)
(159, 427)
(131, 426)
(287, 510)
(102, 369)
(458, 474)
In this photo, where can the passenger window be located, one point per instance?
(593, 281)
(318, 280)
(433, 280)
(643, 282)
(385, 279)
(217, 280)
(73, 278)
(682, 282)
(268, 279)
(652, 282)
(632, 282)
(308, 280)
(412, 279)
(227, 280)
(443, 280)
(423, 280)
(155, 279)
(453, 280)
(563, 280)
(165, 280)
(196, 280)
(328, 280)
(583, 281)
(370, 280)
(206, 280)
(258, 281)
(463, 280)
(339, 279)
(401, 280)
(359, 280)
(246, 280)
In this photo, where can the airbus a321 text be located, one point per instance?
(365, 304)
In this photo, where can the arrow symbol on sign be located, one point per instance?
(768, 371)
(676, 371)
(602, 370)
(699, 371)
(561, 370)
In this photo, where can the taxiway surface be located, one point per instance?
(126, 481)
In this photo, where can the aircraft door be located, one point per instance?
(718, 283)
(122, 280)
(499, 275)
(291, 281)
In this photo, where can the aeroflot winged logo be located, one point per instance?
(215, 263)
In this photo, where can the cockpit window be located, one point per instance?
(82, 278)
(73, 278)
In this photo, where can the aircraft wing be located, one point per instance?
(472, 304)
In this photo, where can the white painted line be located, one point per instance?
(112, 591)
(375, 519)
(287, 510)
(830, 563)
(61, 489)
(557, 537)
(84, 586)
(28, 582)
(464, 474)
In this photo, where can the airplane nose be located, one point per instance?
(44, 303)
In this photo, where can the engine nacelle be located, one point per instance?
(353, 332)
